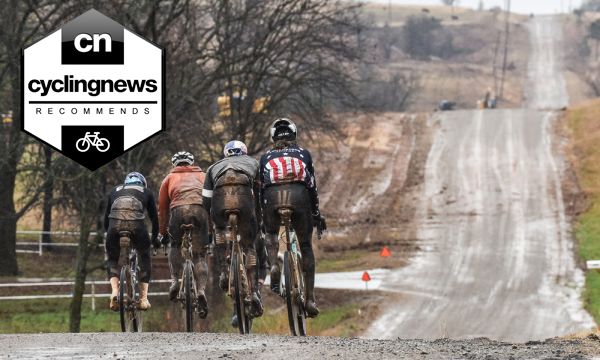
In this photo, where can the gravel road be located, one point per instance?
(498, 258)
(228, 346)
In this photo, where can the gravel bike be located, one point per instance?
(188, 292)
(292, 285)
(129, 286)
(239, 286)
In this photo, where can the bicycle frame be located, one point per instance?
(187, 254)
(128, 304)
(239, 288)
(292, 282)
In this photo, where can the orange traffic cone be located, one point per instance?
(385, 252)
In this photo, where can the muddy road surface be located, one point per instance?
(498, 255)
(230, 346)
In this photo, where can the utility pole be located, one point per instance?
(506, 33)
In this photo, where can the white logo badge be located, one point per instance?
(93, 89)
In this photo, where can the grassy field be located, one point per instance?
(585, 127)
(349, 318)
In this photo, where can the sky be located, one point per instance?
(518, 6)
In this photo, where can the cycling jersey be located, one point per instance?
(183, 186)
(127, 202)
(287, 165)
(291, 164)
(241, 163)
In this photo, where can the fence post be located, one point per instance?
(40, 243)
(93, 296)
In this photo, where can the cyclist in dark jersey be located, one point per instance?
(125, 212)
(232, 185)
(288, 179)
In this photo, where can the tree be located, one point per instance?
(23, 22)
(296, 53)
(82, 197)
(419, 35)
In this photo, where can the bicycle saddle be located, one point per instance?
(185, 227)
(124, 238)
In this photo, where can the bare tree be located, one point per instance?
(294, 54)
(23, 22)
(81, 196)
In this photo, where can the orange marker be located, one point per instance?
(385, 252)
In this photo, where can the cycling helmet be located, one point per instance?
(182, 158)
(235, 148)
(135, 178)
(283, 129)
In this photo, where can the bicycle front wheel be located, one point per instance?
(188, 288)
(293, 296)
(240, 308)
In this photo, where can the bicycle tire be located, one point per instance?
(296, 318)
(121, 299)
(136, 315)
(188, 287)
(240, 308)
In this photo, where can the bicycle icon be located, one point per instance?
(101, 144)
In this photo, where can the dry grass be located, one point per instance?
(585, 136)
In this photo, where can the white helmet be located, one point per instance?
(182, 158)
(234, 148)
(283, 129)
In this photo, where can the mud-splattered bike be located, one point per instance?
(129, 286)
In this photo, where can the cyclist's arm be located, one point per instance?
(261, 173)
(312, 185)
(107, 211)
(207, 190)
(163, 206)
(256, 190)
(152, 213)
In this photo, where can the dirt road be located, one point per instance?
(230, 346)
(499, 259)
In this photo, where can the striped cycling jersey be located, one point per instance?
(291, 164)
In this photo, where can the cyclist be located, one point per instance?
(232, 184)
(288, 178)
(125, 212)
(180, 202)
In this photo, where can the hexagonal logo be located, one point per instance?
(93, 89)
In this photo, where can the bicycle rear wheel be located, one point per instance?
(188, 288)
(240, 308)
(296, 318)
(122, 298)
(134, 314)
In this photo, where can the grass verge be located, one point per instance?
(344, 313)
(585, 133)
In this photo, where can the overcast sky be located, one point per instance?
(520, 6)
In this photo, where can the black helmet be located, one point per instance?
(283, 129)
(135, 178)
(182, 158)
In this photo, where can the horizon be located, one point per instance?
(521, 7)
